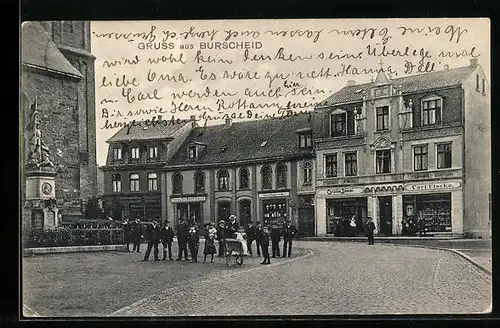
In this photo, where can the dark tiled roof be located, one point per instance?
(141, 131)
(407, 84)
(242, 141)
(38, 50)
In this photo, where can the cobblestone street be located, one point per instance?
(323, 278)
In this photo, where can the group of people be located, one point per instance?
(188, 237)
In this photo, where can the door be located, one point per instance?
(224, 209)
(385, 214)
(306, 222)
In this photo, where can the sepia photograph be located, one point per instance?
(255, 168)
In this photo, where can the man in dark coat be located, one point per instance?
(263, 237)
(167, 237)
(232, 227)
(250, 232)
(182, 239)
(127, 233)
(289, 232)
(153, 233)
(221, 237)
(370, 227)
(275, 240)
(136, 234)
(194, 242)
(257, 233)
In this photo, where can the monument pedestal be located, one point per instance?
(40, 210)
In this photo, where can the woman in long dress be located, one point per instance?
(241, 236)
(210, 236)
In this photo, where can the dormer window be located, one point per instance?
(305, 140)
(192, 153)
(431, 111)
(135, 153)
(152, 151)
(264, 143)
(117, 153)
(338, 123)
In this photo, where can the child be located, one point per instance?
(210, 235)
(241, 236)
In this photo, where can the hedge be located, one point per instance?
(61, 237)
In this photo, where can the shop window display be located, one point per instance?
(427, 214)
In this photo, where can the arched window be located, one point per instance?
(134, 182)
(307, 173)
(199, 182)
(244, 179)
(267, 176)
(223, 180)
(177, 183)
(281, 176)
(152, 181)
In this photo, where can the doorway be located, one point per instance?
(223, 212)
(385, 213)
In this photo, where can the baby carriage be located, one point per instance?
(234, 252)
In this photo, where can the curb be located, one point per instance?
(466, 257)
(73, 249)
(124, 311)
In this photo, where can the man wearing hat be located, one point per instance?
(136, 233)
(127, 233)
(167, 237)
(250, 232)
(153, 237)
(289, 232)
(221, 237)
(370, 227)
(182, 239)
(275, 239)
(232, 227)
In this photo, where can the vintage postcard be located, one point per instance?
(284, 167)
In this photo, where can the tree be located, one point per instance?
(93, 209)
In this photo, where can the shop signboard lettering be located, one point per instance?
(275, 194)
(339, 191)
(193, 199)
(432, 186)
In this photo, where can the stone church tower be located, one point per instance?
(57, 73)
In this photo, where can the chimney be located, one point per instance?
(473, 61)
(158, 118)
(192, 118)
(228, 122)
(351, 82)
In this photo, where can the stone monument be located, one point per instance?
(40, 210)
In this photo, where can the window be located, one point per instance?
(382, 118)
(244, 179)
(331, 165)
(281, 176)
(477, 82)
(351, 164)
(444, 156)
(152, 182)
(305, 140)
(153, 151)
(117, 182)
(420, 158)
(134, 182)
(338, 125)
(431, 112)
(266, 174)
(383, 161)
(223, 179)
(307, 173)
(484, 86)
(117, 153)
(135, 154)
(192, 152)
(199, 182)
(177, 183)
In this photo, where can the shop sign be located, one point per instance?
(339, 191)
(275, 194)
(432, 186)
(193, 199)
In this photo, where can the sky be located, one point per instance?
(281, 58)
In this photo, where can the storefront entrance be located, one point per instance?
(245, 212)
(306, 224)
(429, 213)
(189, 212)
(274, 210)
(341, 211)
(385, 214)
(223, 211)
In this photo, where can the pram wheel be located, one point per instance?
(239, 260)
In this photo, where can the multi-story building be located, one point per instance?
(57, 73)
(407, 148)
(134, 165)
(259, 170)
